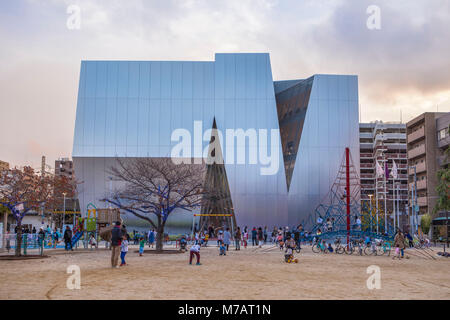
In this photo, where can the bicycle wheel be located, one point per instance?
(298, 249)
(339, 250)
(349, 249)
(380, 250)
(387, 249)
(368, 251)
(316, 248)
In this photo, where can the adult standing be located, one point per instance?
(116, 242)
(260, 237)
(297, 237)
(254, 235)
(237, 238)
(399, 242)
(55, 237)
(410, 239)
(151, 238)
(227, 238)
(245, 237)
(265, 234)
(68, 239)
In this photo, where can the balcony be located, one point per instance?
(422, 201)
(421, 184)
(420, 167)
(416, 135)
(443, 160)
(366, 155)
(418, 151)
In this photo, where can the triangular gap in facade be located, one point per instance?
(292, 104)
(218, 200)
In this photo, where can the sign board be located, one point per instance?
(107, 216)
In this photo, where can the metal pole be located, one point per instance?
(64, 211)
(394, 199)
(415, 202)
(376, 198)
(446, 223)
(371, 227)
(385, 195)
(398, 206)
(347, 174)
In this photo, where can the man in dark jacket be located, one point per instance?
(254, 235)
(116, 241)
(68, 238)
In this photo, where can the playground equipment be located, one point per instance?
(338, 214)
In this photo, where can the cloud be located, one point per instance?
(402, 66)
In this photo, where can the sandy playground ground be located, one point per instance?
(247, 274)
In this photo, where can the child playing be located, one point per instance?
(141, 246)
(280, 241)
(330, 248)
(183, 243)
(92, 241)
(195, 250)
(289, 253)
(222, 250)
(123, 251)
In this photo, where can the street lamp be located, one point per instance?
(370, 203)
(64, 210)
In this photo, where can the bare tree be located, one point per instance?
(155, 187)
(22, 191)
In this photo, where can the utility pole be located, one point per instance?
(394, 199)
(415, 202)
(64, 211)
(370, 197)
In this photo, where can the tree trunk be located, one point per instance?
(160, 238)
(19, 240)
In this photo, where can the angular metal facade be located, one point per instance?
(129, 109)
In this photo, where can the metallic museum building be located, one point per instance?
(130, 109)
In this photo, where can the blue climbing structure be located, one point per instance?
(342, 215)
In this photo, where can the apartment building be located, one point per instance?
(384, 142)
(64, 167)
(427, 139)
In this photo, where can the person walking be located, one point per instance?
(237, 238)
(399, 242)
(68, 239)
(116, 242)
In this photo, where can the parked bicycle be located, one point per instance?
(371, 249)
(355, 246)
(383, 248)
(319, 246)
(339, 249)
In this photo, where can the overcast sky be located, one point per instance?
(402, 66)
